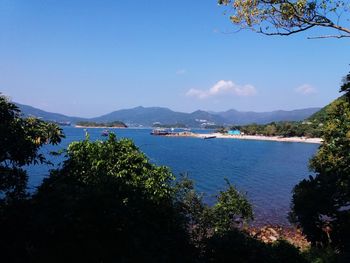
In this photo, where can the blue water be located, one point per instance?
(266, 171)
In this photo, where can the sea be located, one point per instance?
(265, 171)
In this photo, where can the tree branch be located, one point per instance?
(286, 34)
(329, 36)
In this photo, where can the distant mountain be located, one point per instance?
(142, 116)
(29, 111)
(242, 118)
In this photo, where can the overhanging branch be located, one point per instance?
(329, 36)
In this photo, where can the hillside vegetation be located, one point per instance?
(310, 127)
(113, 124)
(321, 115)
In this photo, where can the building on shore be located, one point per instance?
(234, 132)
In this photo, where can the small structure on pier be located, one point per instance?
(234, 132)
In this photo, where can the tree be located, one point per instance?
(20, 141)
(107, 203)
(321, 204)
(345, 87)
(287, 17)
(231, 210)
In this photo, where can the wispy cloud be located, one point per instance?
(181, 71)
(306, 89)
(223, 87)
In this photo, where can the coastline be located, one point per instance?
(272, 233)
(250, 137)
(99, 127)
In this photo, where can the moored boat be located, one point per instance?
(209, 137)
(160, 132)
(105, 133)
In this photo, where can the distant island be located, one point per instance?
(91, 124)
(176, 125)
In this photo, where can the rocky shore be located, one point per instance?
(270, 234)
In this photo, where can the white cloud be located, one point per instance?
(181, 71)
(223, 87)
(306, 89)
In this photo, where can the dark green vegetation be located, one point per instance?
(115, 124)
(311, 127)
(108, 203)
(20, 140)
(321, 116)
(321, 204)
(284, 129)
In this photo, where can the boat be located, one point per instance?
(160, 132)
(105, 133)
(209, 137)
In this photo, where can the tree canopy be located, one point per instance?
(287, 17)
(321, 204)
(20, 141)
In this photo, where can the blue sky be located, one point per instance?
(87, 58)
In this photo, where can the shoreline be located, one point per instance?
(250, 137)
(272, 233)
(99, 127)
(224, 136)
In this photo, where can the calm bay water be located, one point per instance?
(266, 171)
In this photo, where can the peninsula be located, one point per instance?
(89, 124)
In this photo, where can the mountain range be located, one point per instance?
(148, 116)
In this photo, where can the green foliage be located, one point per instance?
(117, 124)
(107, 203)
(321, 116)
(281, 17)
(321, 205)
(90, 162)
(345, 87)
(324, 255)
(232, 209)
(284, 129)
(20, 141)
(237, 246)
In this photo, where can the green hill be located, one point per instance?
(320, 116)
(310, 127)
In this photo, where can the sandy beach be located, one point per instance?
(250, 137)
